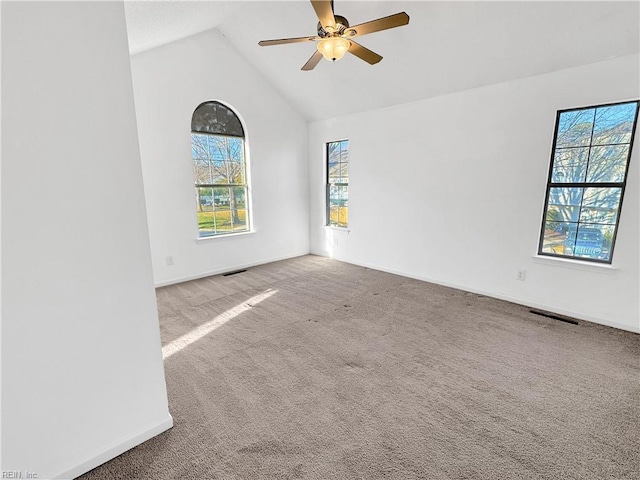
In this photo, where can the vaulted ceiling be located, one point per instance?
(447, 46)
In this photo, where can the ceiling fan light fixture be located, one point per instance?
(333, 48)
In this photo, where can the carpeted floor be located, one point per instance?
(315, 369)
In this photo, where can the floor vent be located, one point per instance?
(555, 317)
(233, 273)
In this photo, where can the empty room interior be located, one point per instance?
(405, 245)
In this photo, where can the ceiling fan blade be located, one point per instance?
(364, 53)
(313, 61)
(283, 41)
(392, 21)
(324, 11)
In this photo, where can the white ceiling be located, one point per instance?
(447, 46)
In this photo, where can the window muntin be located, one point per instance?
(587, 179)
(220, 170)
(338, 183)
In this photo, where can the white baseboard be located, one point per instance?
(210, 273)
(499, 296)
(114, 449)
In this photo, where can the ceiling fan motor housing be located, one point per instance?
(341, 25)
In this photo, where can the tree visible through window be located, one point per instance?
(338, 183)
(220, 170)
(586, 183)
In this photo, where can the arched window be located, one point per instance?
(220, 170)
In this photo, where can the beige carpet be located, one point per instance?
(324, 370)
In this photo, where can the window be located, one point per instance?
(338, 183)
(587, 178)
(220, 170)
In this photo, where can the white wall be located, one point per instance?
(452, 189)
(169, 83)
(82, 374)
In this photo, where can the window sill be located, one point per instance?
(338, 229)
(575, 264)
(228, 235)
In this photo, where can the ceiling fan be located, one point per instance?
(335, 35)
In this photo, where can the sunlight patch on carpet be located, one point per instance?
(208, 327)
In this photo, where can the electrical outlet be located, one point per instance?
(168, 260)
(521, 275)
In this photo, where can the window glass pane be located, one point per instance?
(564, 204)
(344, 173)
(239, 220)
(588, 242)
(210, 163)
(201, 172)
(221, 198)
(584, 241)
(614, 124)
(608, 163)
(333, 162)
(557, 235)
(338, 153)
(236, 172)
(339, 216)
(574, 128)
(344, 150)
(338, 205)
(204, 197)
(563, 213)
(239, 197)
(570, 165)
(227, 159)
(334, 172)
(214, 150)
(199, 146)
(338, 194)
(216, 147)
(565, 196)
(607, 241)
(222, 219)
(205, 223)
(600, 205)
(334, 152)
(218, 171)
(232, 148)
